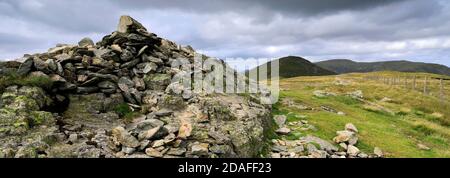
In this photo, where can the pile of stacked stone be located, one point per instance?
(313, 147)
(347, 139)
(131, 66)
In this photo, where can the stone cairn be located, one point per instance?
(77, 116)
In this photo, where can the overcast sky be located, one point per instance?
(417, 30)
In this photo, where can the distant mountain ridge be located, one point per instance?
(293, 66)
(348, 66)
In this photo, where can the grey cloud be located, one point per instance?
(71, 16)
(240, 28)
(305, 7)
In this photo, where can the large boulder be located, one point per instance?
(128, 24)
(24, 129)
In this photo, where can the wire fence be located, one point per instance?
(432, 86)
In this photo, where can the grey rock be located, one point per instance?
(280, 120)
(129, 25)
(40, 65)
(156, 132)
(176, 151)
(353, 140)
(144, 144)
(318, 154)
(73, 138)
(335, 156)
(90, 82)
(324, 145)
(171, 128)
(152, 59)
(59, 69)
(124, 138)
(127, 54)
(106, 54)
(107, 85)
(100, 62)
(378, 152)
(275, 155)
(352, 150)
(278, 148)
(25, 67)
(148, 67)
(51, 64)
(358, 94)
(343, 146)
(363, 155)
(163, 112)
(283, 131)
(142, 50)
(139, 83)
(344, 136)
(153, 153)
(221, 149)
(200, 149)
(296, 149)
(125, 84)
(85, 42)
(128, 97)
(104, 76)
(169, 138)
(131, 63)
(158, 143)
(57, 79)
(128, 150)
(350, 127)
(62, 57)
(187, 94)
(311, 148)
(138, 155)
(423, 147)
(157, 81)
(150, 123)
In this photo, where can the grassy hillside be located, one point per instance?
(347, 66)
(394, 118)
(293, 66)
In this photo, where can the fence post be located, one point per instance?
(425, 86)
(406, 82)
(441, 90)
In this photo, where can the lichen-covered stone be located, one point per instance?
(157, 81)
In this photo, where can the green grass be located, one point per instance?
(423, 129)
(122, 109)
(14, 79)
(125, 112)
(412, 121)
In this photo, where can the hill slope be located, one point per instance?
(349, 66)
(402, 122)
(292, 66)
